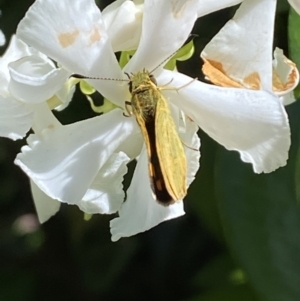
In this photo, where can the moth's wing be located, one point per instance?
(170, 151)
(141, 120)
(157, 181)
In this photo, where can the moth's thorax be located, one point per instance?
(142, 80)
(145, 95)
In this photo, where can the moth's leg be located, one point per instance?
(165, 85)
(129, 112)
(179, 88)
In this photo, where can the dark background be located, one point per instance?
(239, 239)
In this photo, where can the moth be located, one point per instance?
(166, 157)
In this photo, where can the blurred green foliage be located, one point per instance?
(239, 239)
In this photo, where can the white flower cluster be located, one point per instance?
(84, 163)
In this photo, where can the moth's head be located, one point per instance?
(141, 78)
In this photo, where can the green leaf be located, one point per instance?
(261, 220)
(86, 88)
(231, 293)
(201, 196)
(124, 58)
(221, 271)
(294, 41)
(183, 54)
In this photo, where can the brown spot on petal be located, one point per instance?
(292, 81)
(95, 36)
(214, 71)
(285, 74)
(68, 38)
(278, 86)
(253, 81)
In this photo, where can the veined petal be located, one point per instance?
(16, 118)
(106, 194)
(254, 123)
(63, 161)
(72, 33)
(140, 212)
(34, 80)
(166, 26)
(45, 206)
(240, 54)
(285, 77)
(296, 5)
(123, 22)
(208, 6)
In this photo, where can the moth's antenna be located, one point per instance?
(165, 60)
(189, 39)
(99, 78)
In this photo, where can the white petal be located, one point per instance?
(34, 80)
(72, 33)
(140, 212)
(166, 26)
(254, 123)
(43, 119)
(65, 95)
(242, 49)
(132, 146)
(4, 85)
(288, 98)
(16, 118)
(285, 77)
(2, 38)
(45, 206)
(65, 160)
(123, 22)
(208, 6)
(15, 50)
(106, 193)
(296, 5)
(191, 147)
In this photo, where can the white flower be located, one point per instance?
(28, 80)
(252, 122)
(240, 55)
(30, 83)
